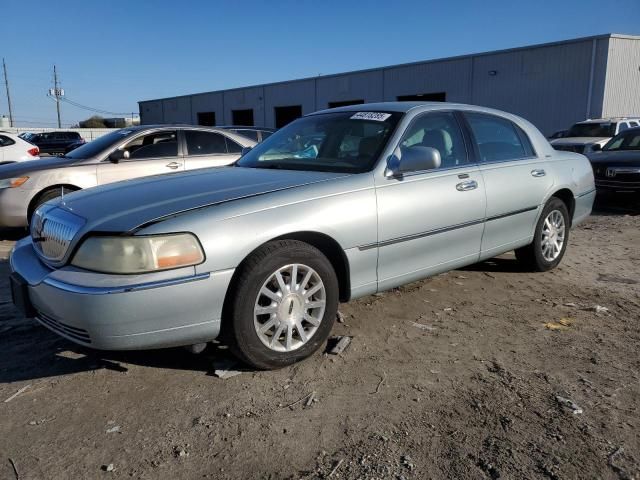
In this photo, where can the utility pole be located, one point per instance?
(6, 84)
(56, 92)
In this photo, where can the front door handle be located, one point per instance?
(538, 173)
(174, 165)
(466, 186)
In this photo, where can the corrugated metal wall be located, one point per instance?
(551, 85)
(622, 91)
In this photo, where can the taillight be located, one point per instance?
(33, 151)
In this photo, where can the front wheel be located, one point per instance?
(550, 239)
(284, 304)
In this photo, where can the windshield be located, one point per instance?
(333, 142)
(629, 140)
(592, 129)
(98, 145)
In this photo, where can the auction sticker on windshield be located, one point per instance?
(377, 116)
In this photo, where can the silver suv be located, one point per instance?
(591, 135)
(120, 155)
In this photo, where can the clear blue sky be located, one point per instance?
(110, 54)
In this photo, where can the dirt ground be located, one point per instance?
(452, 377)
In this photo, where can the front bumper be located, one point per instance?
(13, 207)
(120, 312)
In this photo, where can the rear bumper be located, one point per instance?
(147, 314)
(583, 206)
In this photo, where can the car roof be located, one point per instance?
(610, 119)
(404, 107)
(245, 127)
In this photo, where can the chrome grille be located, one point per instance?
(52, 230)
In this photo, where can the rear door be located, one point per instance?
(152, 153)
(204, 148)
(517, 181)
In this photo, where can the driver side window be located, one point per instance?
(154, 145)
(439, 131)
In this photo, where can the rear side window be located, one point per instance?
(498, 139)
(5, 141)
(233, 147)
(205, 143)
(154, 145)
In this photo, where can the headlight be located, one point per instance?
(138, 254)
(12, 182)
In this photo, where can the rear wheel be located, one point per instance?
(550, 239)
(284, 304)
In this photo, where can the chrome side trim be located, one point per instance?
(436, 231)
(79, 289)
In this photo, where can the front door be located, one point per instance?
(516, 181)
(430, 221)
(150, 154)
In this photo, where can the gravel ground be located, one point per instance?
(459, 376)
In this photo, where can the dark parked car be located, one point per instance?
(257, 134)
(56, 143)
(617, 166)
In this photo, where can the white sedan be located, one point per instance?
(15, 149)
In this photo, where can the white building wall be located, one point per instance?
(622, 90)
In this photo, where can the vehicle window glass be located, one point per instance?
(526, 142)
(634, 124)
(497, 138)
(331, 142)
(439, 131)
(157, 144)
(205, 143)
(6, 141)
(252, 134)
(626, 141)
(233, 147)
(102, 144)
(266, 134)
(592, 129)
(623, 126)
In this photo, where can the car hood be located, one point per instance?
(624, 157)
(124, 206)
(21, 169)
(578, 140)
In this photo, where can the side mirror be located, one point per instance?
(412, 159)
(596, 147)
(244, 151)
(118, 155)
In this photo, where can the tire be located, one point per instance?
(534, 256)
(47, 195)
(244, 320)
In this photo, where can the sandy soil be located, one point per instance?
(453, 377)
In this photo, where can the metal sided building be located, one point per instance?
(553, 85)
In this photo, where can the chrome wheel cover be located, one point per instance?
(289, 307)
(553, 233)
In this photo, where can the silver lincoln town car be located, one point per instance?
(338, 204)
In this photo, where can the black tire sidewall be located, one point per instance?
(244, 337)
(541, 263)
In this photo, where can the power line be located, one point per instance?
(92, 109)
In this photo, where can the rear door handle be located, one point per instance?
(538, 173)
(174, 165)
(466, 186)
